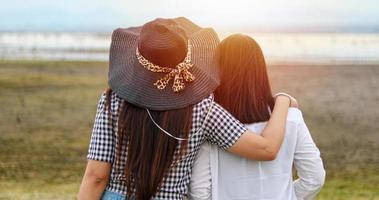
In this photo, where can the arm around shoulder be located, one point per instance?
(267, 145)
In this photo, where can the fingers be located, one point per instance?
(293, 103)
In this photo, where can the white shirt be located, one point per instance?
(220, 175)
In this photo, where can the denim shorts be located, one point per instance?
(108, 195)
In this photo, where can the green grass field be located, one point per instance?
(47, 110)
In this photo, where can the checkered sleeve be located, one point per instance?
(103, 140)
(222, 128)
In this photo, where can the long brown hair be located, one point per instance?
(245, 89)
(150, 152)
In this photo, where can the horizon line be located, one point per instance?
(237, 28)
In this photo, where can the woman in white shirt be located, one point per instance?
(246, 93)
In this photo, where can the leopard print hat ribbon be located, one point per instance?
(180, 73)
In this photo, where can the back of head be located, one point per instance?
(146, 61)
(245, 89)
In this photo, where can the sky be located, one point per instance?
(106, 15)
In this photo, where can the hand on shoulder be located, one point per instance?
(293, 101)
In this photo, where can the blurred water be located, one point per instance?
(278, 47)
(320, 48)
(54, 46)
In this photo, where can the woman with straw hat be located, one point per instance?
(159, 109)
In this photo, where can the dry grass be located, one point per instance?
(47, 111)
(340, 107)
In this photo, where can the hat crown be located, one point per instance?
(163, 42)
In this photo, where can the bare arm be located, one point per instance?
(101, 154)
(267, 145)
(95, 180)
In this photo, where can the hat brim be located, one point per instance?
(132, 82)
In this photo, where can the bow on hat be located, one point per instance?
(180, 73)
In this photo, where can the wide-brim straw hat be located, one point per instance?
(133, 82)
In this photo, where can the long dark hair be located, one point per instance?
(245, 89)
(150, 152)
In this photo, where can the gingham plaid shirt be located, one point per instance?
(221, 128)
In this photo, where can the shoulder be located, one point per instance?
(109, 99)
(203, 107)
(294, 119)
(113, 97)
(205, 103)
(295, 115)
